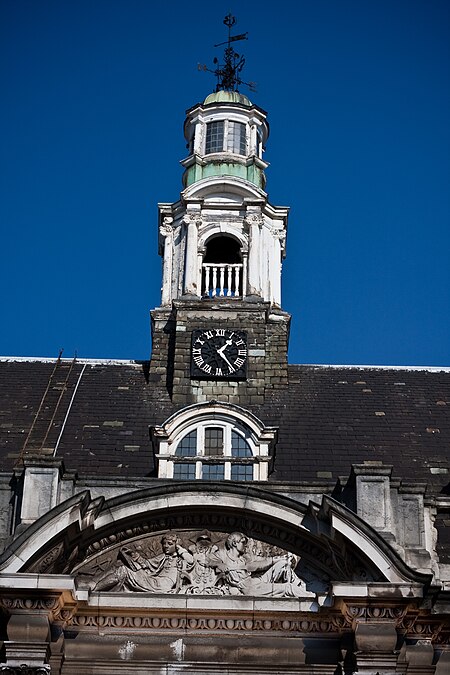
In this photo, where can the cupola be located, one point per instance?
(226, 136)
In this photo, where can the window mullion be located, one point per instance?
(227, 441)
(227, 472)
(201, 441)
(225, 136)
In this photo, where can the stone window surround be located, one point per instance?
(261, 439)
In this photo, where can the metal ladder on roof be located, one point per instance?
(44, 429)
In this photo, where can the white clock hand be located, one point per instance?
(222, 355)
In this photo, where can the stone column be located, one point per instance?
(192, 220)
(166, 231)
(254, 222)
(279, 238)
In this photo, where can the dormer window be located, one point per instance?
(226, 136)
(213, 441)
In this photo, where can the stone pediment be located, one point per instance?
(286, 550)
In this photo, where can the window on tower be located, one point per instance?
(236, 138)
(226, 136)
(214, 137)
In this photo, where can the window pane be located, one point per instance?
(213, 441)
(184, 471)
(187, 447)
(242, 472)
(239, 446)
(214, 137)
(213, 471)
(236, 138)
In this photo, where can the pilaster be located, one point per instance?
(40, 486)
(373, 496)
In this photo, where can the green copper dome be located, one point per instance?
(227, 97)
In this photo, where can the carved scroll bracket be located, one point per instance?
(58, 608)
(409, 619)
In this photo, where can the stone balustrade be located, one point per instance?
(222, 280)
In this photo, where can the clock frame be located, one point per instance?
(219, 354)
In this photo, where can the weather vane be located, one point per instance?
(228, 74)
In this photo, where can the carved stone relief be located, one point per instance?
(196, 563)
(321, 561)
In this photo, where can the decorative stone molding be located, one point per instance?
(166, 228)
(254, 219)
(298, 624)
(57, 606)
(409, 620)
(25, 670)
(192, 217)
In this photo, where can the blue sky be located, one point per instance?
(358, 96)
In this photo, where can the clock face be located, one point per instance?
(219, 353)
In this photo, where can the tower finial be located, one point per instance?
(228, 73)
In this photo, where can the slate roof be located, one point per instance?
(328, 418)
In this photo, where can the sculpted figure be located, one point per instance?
(202, 575)
(163, 573)
(246, 574)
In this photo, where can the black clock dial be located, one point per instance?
(219, 353)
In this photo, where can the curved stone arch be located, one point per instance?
(212, 229)
(71, 516)
(185, 418)
(85, 528)
(216, 185)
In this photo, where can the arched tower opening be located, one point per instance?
(222, 268)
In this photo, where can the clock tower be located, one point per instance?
(220, 332)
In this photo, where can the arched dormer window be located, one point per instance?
(213, 441)
(222, 268)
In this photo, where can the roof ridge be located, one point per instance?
(431, 369)
(46, 359)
